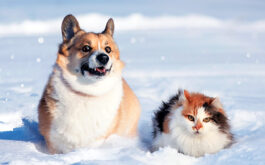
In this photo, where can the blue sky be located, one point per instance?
(243, 10)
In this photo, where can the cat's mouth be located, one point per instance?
(197, 133)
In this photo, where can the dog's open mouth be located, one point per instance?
(98, 71)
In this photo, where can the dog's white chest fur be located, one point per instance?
(80, 121)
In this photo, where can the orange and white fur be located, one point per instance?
(86, 99)
(192, 123)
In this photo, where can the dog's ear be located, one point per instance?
(70, 26)
(109, 29)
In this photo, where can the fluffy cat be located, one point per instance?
(192, 123)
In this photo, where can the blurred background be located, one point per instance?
(241, 10)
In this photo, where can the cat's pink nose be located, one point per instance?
(197, 126)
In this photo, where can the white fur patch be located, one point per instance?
(93, 63)
(90, 85)
(182, 137)
(80, 121)
(99, 45)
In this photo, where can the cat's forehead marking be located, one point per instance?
(189, 110)
(201, 113)
(196, 111)
(195, 102)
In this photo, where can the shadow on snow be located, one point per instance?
(28, 132)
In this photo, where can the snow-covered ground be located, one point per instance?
(197, 48)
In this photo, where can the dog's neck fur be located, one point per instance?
(86, 86)
(95, 114)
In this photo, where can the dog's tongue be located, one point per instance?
(101, 70)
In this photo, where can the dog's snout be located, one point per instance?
(103, 58)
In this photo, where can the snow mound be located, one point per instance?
(134, 21)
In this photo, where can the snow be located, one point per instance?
(218, 56)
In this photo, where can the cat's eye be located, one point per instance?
(207, 119)
(191, 118)
(86, 48)
(108, 49)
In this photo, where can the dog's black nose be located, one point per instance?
(103, 58)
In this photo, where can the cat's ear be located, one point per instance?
(217, 103)
(186, 95)
(70, 27)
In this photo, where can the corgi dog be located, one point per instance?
(192, 123)
(86, 99)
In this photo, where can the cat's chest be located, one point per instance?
(198, 145)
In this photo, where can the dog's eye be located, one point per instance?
(108, 49)
(86, 48)
(191, 118)
(207, 119)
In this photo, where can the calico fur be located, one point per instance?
(172, 128)
(164, 110)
